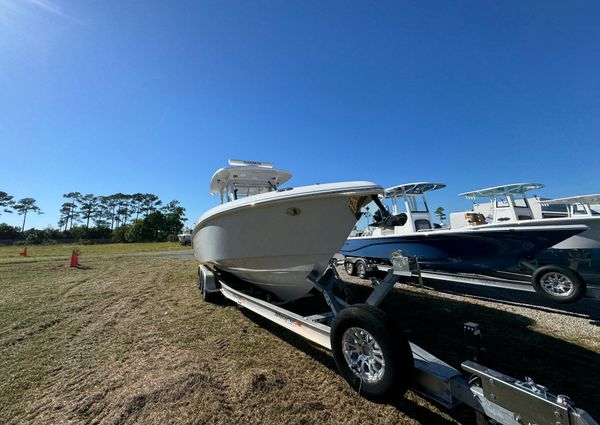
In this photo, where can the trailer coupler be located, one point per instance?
(509, 401)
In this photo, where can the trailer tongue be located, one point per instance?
(375, 359)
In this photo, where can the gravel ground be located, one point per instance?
(578, 322)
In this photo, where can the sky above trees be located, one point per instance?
(153, 97)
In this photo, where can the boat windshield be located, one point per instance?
(502, 201)
(579, 209)
(242, 191)
(520, 202)
(417, 204)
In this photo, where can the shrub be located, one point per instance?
(9, 232)
(120, 233)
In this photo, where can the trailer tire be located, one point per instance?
(361, 269)
(560, 284)
(371, 355)
(349, 267)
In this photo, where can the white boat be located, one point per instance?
(583, 209)
(275, 237)
(185, 237)
(509, 206)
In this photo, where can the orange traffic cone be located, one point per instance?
(24, 253)
(74, 259)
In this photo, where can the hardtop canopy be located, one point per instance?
(580, 199)
(412, 189)
(252, 177)
(507, 189)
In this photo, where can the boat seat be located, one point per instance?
(525, 217)
(475, 219)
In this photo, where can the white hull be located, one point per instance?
(276, 239)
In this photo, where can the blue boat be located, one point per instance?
(473, 249)
(470, 250)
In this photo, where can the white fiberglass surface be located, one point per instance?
(282, 194)
(506, 189)
(491, 228)
(277, 243)
(582, 199)
(254, 176)
(413, 188)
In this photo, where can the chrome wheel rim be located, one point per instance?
(557, 284)
(363, 355)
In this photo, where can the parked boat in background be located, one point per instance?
(185, 237)
(467, 249)
(477, 248)
(509, 206)
(582, 208)
(274, 237)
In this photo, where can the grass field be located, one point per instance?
(44, 252)
(127, 339)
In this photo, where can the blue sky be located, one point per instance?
(141, 96)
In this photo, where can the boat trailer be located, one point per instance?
(554, 290)
(496, 398)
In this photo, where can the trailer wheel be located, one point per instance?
(371, 355)
(361, 269)
(208, 296)
(558, 283)
(349, 267)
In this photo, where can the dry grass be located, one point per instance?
(129, 340)
(10, 254)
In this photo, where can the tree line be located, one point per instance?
(122, 217)
(22, 206)
(112, 211)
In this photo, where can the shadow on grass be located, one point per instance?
(406, 406)
(510, 345)
(584, 308)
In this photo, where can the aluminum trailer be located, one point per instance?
(592, 291)
(358, 346)
(556, 283)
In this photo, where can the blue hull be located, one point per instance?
(467, 252)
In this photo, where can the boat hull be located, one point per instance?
(275, 241)
(470, 251)
(589, 239)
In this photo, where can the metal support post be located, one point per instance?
(325, 284)
(381, 289)
(473, 341)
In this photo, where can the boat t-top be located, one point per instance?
(416, 216)
(577, 206)
(509, 206)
